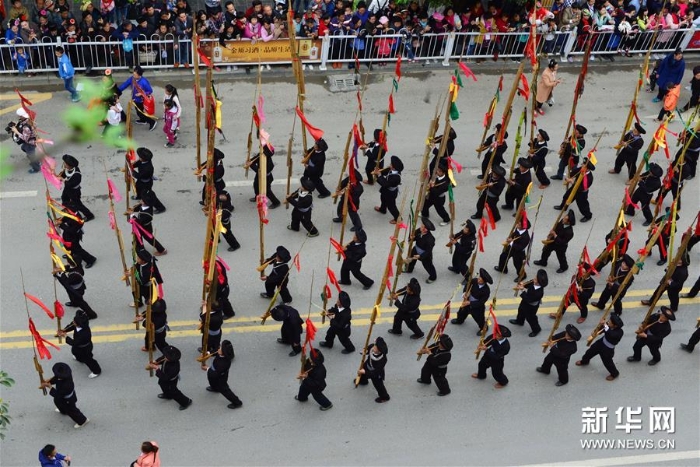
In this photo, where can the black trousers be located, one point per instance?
(518, 257)
(152, 240)
(627, 158)
(80, 254)
(270, 195)
(144, 186)
(560, 251)
(221, 386)
(171, 391)
(606, 355)
(496, 369)
(289, 336)
(540, 174)
(76, 204)
(353, 215)
(459, 262)
(68, 407)
(387, 201)
(213, 342)
(438, 202)
(493, 205)
(320, 186)
(378, 383)
(695, 288)
(643, 199)
(142, 117)
(354, 268)
(284, 291)
(653, 349)
(229, 237)
(158, 340)
(694, 339)
(438, 374)
(583, 301)
(427, 262)
(343, 338)
(303, 218)
(561, 364)
(317, 394)
(607, 294)
(581, 203)
(84, 355)
(77, 299)
(222, 296)
(411, 320)
(528, 313)
(513, 197)
(673, 296)
(477, 312)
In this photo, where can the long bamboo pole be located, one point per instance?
(197, 100)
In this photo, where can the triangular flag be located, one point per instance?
(296, 262)
(469, 73)
(454, 111)
(316, 133)
(392, 110)
(332, 278)
(40, 342)
(41, 305)
(397, 72)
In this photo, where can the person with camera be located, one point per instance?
(24, 135)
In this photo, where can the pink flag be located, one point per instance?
(50, 176)
(114, 191)
(261, 112)
(112, 220)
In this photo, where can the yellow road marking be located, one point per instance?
(34, 97)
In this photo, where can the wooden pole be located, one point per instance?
(518, 142)
(37, 365)
(346, 157)
(325, 297)
(533, 102)
(128, 176)
(261, 201)
(211, 285)
(488, 118)
(197, 99)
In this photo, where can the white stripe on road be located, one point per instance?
(628, 460)
(547, 169)
(17, 194)
(249, 182)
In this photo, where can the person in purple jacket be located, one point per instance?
(49, 457)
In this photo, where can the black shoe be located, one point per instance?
(328, 407)
(163, 396)
(480, 177)
(396, 333)
(586, 219)
(504, 271)
(660, 262)
(296, 398)
(440, 393)
(189, 401)
(515, 321)
(151, 128)
(450, 268)
(688, 295)
(71, 304)
(89, 264)
(457, 321)
(646, 223)
(294, 353)
(275, 205)
(367, 287)
(506, 207)
(653, 362)
(201, 203)
(326, 344)
(687, 348)
(539, 262)
(91, 217)
(135, 198)
(211, 389)
(422, 382)
(417, 336)
(337, 220)
(556, 177)
(561, 270)
(478, 333)
(379, 400)
(325, 195)
(353, 229)
(559, 384)
(233, 248)
(252, 200)
(347, 351)
(534, 333)
(519, 279)
(475, 216)
(264, 295)
(229, 316)
(633, 359)
(558, 207)
(282, 341)
(540, 370)
(597, 305)
(235, 406)
(159, 211)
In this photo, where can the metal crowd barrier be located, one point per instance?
(163, 52)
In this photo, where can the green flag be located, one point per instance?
(458, 78)
(454, 112)
(450, 193)
(396, 84)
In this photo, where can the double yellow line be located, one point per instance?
(123, 332)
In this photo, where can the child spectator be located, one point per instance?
(66, 72)
(114, 116)
(170, 123)
(673, 92)
(21, 58)
(653, 75)
(171, 94)
(549, 29)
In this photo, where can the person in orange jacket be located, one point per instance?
(673, 93)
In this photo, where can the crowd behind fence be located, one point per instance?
(164, 52)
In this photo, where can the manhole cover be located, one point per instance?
(342, 83)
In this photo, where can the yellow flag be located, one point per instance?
(621, 219)
(527, 192)
(57, 262)
(451, 176)
(154, 291)
(218, 115)
(592, 158)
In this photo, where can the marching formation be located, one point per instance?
(413, 241)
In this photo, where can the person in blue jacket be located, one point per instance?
(140, 88)
(66, 72)
(671, 71)
(49, 457)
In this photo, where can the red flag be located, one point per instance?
(357, 64)
(359, 101)
(628, 200)
(388, 284)
(327, 292)
(296, 262)
(332, 279)
(315, 133)
(453, 163)
(41, 305)
(697, 227)
(262, 208)
(489, 214)
(523, 222)
(310, 330)
(392, 110)
(390, 262)
(338, 247)
(481, 240)
(203, 58)
(58, 309)
(496, 328)
(256, 117)
(500, 83)
(469, 73)
(40, 342)
(398, 69)
(25, 105)
(525, 89)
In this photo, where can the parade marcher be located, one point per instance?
(475, 303)
(681, 173)
(537, 155)
(491, 192)
(674, 284)
(665, 236)
(581, 196)
(143, 178)
(315, 163)
(620, 269)
(159, 319)
(217, 374)
(340, 316)
(562, 347)
(254, 164)
(81, 342)
(278, 277)
(313, 381)
(216, 320)
(355, 189)
(449, 149)
(585, 290)
(352, 263)
(437, 194)
(652, 335)
(64, 397)
(389, 190)
(146, 268)
(692, 151)
(218, 175)
(516, 249)
(140, 89)
(464, 243)
(291, 327)
(303, 200)
(569, 154)
(693, 292)
(631, 144)
(168, 372)
(50, 457)
(605, 346)
(72, 280)
(226, 207)
(149, 457)
(24, 134)
(435, 365)
(692, 342)
(408, 310)
(422, 249)
(495, 348)
(223, 290)
(560, 238)
(490, 145)
(373, 369)
(375, 152)
(530, 301)
(72, 177)
(72, 233)
(649, 183)
(142, 216)
(517, 186)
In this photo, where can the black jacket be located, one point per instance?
(478, 295)
(424, 242)
(374, 365)
(409, 305)
(521, 180)
(168, 372)
(439, 359)
(143, 171)
(341, 318)
(564, 234)
(496, 350)
(389, 182)
(657, 331)
(564, 349)
(219, 368)
(355, 252)
(532, 296)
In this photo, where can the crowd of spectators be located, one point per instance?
(412, 27)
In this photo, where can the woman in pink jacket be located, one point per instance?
(149, 455)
